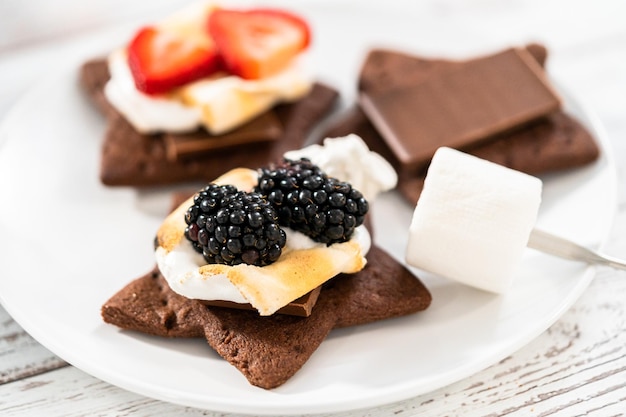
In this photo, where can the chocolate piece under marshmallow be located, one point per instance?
(473, 220)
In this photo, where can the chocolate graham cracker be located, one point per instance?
(269, 350)
(135, 159)
(551, 143)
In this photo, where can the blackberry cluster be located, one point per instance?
(307, 200)
(228, 226)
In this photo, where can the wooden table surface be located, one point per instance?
(575, 368)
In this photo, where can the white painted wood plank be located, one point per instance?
(20, 354)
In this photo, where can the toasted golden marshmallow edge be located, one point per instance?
(266, 288)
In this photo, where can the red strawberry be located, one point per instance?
(257, 43)
(161, 60)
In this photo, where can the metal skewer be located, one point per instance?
(563, 248)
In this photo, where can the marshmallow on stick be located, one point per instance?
(473, 220)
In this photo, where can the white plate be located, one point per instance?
(68, 243)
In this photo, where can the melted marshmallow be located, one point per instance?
(302, 266)
(349, 159)
(146, 113)
(181, 267)
(219, 103)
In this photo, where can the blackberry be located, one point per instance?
(230, 227)
(307, 200)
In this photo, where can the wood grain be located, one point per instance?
(20, 355)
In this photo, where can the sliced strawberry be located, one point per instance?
(161, 60)
(257, 43)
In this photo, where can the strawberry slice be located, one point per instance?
(257, 43)
(164, 59)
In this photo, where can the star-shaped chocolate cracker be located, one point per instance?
(269, 350)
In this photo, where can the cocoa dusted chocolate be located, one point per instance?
(460, 107)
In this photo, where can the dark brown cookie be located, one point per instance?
(131, 158)
(148, 305)
(554, 143)
(269, 350)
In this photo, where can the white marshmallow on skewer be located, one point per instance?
(473, 220)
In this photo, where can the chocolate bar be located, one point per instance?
(552, 143)
(301, 307)
(265, 128)
(460, 107)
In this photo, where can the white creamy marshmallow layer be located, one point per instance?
(182, 266)
(349, 159)
(473, 220)
(302, 266)
(219, 103)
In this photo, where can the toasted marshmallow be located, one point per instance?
(227, 101)
(219, 103)
(303, 265)
(147, 114)
(349, 159)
